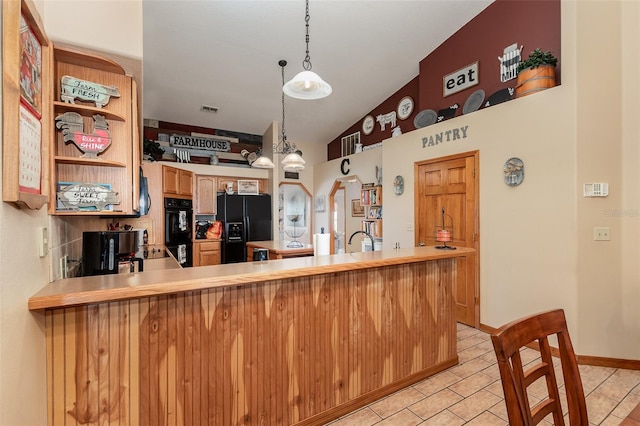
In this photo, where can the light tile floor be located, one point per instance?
(471, 392)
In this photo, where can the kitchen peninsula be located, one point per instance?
(293, 341)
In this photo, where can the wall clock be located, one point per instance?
(405, 107)
(367, 124)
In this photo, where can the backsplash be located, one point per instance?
(65, 239)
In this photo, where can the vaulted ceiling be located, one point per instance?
(225, 54)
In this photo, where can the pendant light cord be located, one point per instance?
(306, 64)
(283, 136)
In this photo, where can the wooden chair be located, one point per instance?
(508, 341)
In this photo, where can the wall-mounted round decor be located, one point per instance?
(513, 171)
(367, 124)
(405, 107)
(398, 185)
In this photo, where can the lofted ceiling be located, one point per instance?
(225, 54)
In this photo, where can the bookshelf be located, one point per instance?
(371, 199)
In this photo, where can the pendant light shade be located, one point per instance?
(307, 85)
(263, 162)
(293, 162)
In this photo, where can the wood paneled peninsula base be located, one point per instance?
(293, 341)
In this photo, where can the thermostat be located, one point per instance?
(596, 189)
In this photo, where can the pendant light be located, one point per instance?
(263, 162)
(307, 84)
(293, 161)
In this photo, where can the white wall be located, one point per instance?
(536, 240)
(607, 138)
(106, 25)
(519, 265)
(23, 398)
(363, 165)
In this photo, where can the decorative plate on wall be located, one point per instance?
(368, 124)
(425, 118)
(513, 171)
(405, 108)
(474, 101)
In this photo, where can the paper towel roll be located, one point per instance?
(321, 244)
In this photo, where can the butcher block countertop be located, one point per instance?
(107, 288)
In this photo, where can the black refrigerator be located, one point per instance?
(244, 218)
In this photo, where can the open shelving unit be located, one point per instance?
(371, 199)
(118, 165)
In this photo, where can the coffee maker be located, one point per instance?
(110, 252)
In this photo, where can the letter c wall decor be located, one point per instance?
(345, 170)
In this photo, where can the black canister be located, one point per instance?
(260, 254)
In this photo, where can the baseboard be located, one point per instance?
(598, 361)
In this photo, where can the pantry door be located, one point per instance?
(451, 183)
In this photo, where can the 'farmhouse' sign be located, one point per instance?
(196, 142)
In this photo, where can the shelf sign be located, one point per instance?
(197, 142)
(460, 80)
(72, 88)
(83, 196)
(90, 144)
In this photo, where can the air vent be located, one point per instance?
(209, 108)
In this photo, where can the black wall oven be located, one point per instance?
(178, 219)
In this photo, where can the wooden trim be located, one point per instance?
(628, 364)
(310, 213)
(375, 395)
(11, 101)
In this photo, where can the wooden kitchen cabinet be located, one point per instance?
(206, 194)
(206, 253)
(177, 183)
(117, 167)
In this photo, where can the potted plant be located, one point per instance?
(152, 149)
(536, 73)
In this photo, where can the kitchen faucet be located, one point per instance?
(365, 233)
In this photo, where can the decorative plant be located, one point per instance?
(536, 59)
(152, 148)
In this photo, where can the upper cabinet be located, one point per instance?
(95, 146)
(206, 194)
(177, 183)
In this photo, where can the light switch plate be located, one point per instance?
(43, 246)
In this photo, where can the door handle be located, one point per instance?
(421, 244)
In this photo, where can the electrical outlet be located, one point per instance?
(409, 226)
(601, 234)
(43, 241)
